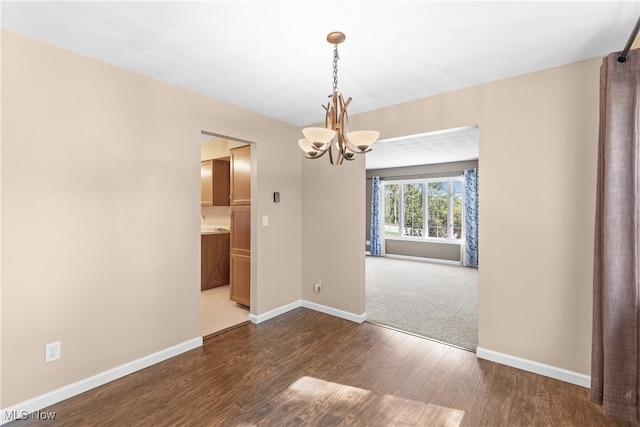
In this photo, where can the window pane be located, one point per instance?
(391, 209)
(413, 215)
(438, 208)
(457, 209)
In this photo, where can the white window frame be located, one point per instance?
(425, 204)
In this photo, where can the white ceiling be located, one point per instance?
(450, 145)
(272, 57)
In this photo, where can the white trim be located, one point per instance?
(423, 259)
(274, 313)
(433, 240)
(20, 410)
(424, 181)
(535, 367)
(44, 400)
(358, 318)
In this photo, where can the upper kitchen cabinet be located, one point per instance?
(241, 176)
(214, 182)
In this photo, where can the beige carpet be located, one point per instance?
(437, 301)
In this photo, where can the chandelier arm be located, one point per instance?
(359, 151)
(322, 153)
(330, 150)
(352, 148)
(331, 119)
(343, 127)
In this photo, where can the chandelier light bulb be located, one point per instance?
(363, 138)
(307, 147)
(319, 137)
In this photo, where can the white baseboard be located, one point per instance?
(358, 318)
(422, 259)
(275, 312)
(535, 367)
(21, 410)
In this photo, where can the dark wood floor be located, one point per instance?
(311, 369)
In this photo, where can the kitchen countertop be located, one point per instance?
(213, 229)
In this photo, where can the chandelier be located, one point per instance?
(335, 137)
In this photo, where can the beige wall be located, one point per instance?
(215, 148)
(89, 150)
(333, 233)
(100, 214)
(538, 139)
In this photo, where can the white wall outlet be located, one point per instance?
(52, 352)
(265, 220)
(317, 286)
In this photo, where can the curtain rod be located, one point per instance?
(623, 56)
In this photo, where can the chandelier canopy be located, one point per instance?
(335, 137)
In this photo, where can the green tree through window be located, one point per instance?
(457, 209)
(438, 208)
(408, 204)
(413, 210)
(391, 209)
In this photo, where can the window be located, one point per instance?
(391, 209)
(412, 209)
(427, 208)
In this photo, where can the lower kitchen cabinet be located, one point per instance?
(214, 260)
(240, 279)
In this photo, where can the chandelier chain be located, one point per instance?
(336, 56)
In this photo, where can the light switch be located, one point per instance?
(265, 220)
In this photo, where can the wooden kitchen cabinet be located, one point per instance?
(240, 242)
(214, 260)
(241, 176)
(240, 279)
(241, 230)
(215, 175)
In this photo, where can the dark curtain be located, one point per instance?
(615, 376)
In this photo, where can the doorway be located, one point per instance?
(221, 278)
(417, 283)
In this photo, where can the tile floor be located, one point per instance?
(218, 313)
